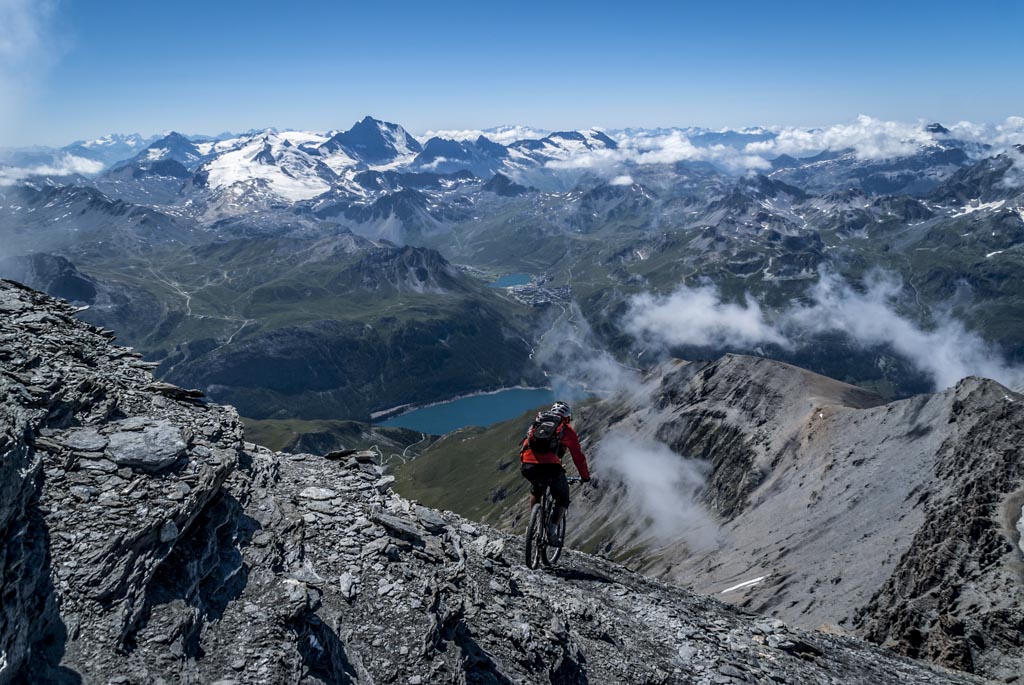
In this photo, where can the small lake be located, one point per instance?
(476, 410)
(509, 280)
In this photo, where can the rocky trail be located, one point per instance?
(142, 540)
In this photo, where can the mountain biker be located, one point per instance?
(541, 455)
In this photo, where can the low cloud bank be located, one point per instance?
(868, 137)
(64, 165)
(660, 486)
(945, 352)
(660, 148)
(1006, 134)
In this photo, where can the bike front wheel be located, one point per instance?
(554, 553)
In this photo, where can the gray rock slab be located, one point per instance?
(148, 445)
(84, 440)
(318, 494)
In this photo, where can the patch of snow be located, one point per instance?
(338, 161)
(977, 206)
(105, 140)
(303, 137)
(746, 583)
(993, 254)
(399, 162)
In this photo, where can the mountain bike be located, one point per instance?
(537, 548)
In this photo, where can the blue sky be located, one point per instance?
(211, 66)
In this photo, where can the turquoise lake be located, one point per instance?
(478, 410)
(508, 280)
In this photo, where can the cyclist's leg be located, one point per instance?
(535, 476)
(560, 493)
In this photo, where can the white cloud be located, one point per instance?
(624, 180)
(435, 164)
(503, 135)
(26, 51)
(62, 166)
(1014, 177)
(661, 486)
(660, 148)
(699, 316)
(868, 137)
(1003, 135)
(945, 352)
(658, 484)
(579, 365)
(1004, 138)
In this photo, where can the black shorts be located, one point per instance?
(548, 475)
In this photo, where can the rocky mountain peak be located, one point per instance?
(173, 146)
(143, 540)
(374, 142)
(503, 186)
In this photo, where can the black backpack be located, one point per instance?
(545, 434)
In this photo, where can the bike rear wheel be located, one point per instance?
(534, 536)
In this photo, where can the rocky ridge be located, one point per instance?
(893, 520)
(817, 502)
(143, 541)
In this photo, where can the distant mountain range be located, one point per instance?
(227, 247)
(300, 165)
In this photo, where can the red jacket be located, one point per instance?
(570, 441)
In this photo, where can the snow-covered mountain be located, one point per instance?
(294, 166)
(352, 173)
(269, 166)
(171, 147)
(287, 164)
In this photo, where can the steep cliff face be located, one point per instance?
(142, 541)
(106, 470)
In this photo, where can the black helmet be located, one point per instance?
(562, 409)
